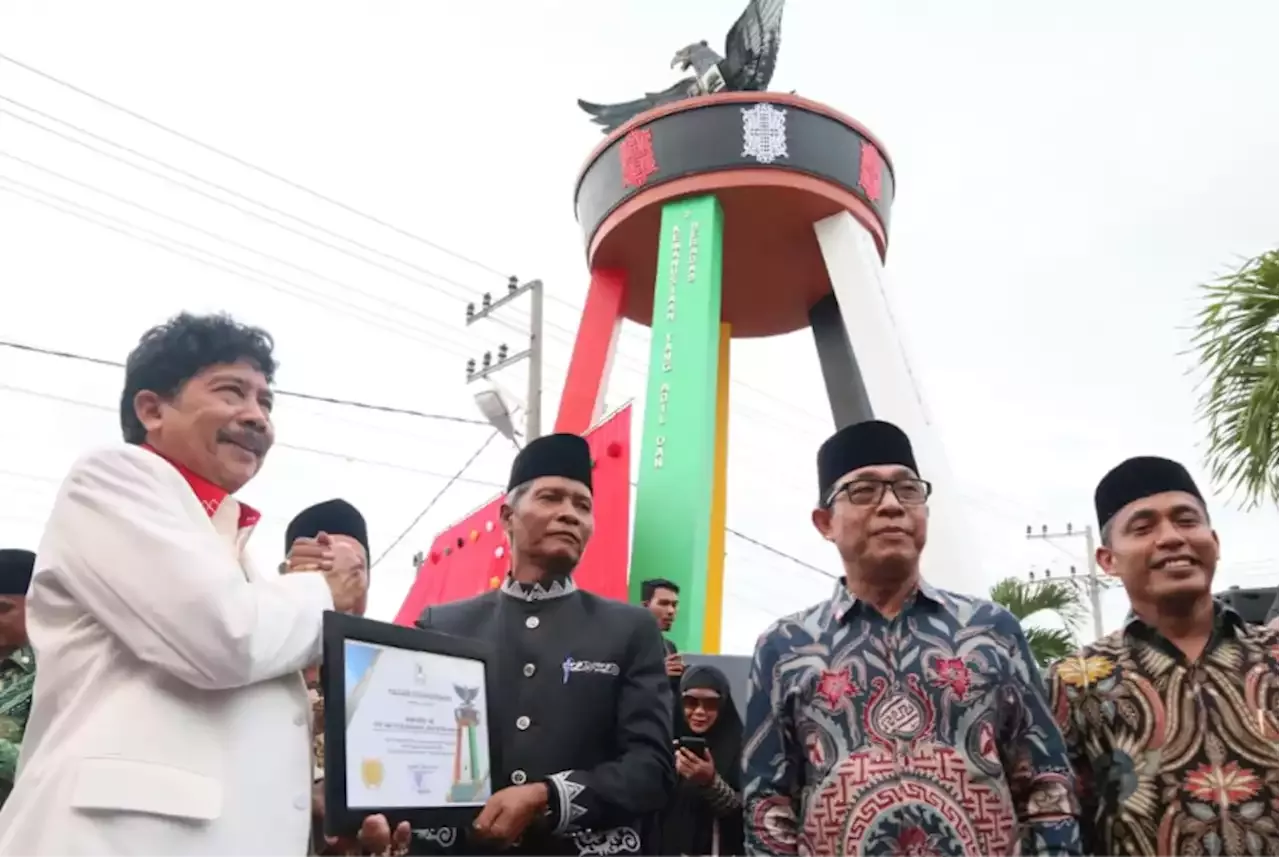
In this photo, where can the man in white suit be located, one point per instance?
(170, 714)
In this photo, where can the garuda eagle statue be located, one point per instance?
(750, 55)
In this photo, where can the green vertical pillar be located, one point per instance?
(677, 454)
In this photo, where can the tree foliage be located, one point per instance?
(1025, 598)
(1236, 342)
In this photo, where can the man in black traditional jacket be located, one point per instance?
(584, 714)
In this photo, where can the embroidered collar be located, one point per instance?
(843, 602)
(210, 496)
(558, 588)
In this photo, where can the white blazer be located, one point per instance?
(169, 714)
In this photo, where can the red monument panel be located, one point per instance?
(472, 556)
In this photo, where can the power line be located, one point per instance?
(216, 185)
(290, 183)
(225, 263)
(454, 478)
(637, 366)
(347, 287)
(258, 169)
(780, 553)
(165, 243)
(311, 397)
(435, 286)
(14, 474)
(425, 509)
(233, 193)
(341, 456)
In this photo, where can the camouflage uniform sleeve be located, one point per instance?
(9, 751)
(16, 689)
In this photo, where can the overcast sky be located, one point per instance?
(1066, 175)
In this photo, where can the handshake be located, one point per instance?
(343, 563)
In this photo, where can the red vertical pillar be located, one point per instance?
(582, 403)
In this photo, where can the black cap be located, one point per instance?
(16, 567)
(867, 444)
(335, 517)
(1137, 478)
(564, 455)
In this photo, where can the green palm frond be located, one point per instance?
(1236, 342)
(1023, 598)
(1048, 646)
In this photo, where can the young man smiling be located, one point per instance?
(1171, 721)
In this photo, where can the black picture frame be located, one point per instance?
(341, 819)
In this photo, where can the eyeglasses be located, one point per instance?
(708, 704)
(869, 492)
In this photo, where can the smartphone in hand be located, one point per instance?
(695, 745)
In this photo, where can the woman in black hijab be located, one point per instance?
(705, 814)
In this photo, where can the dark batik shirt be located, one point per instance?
(928, 733)
(1174, 756)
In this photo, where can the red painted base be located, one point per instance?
(582, 403)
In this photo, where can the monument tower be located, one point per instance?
(713, 210)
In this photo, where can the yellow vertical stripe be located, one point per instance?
(715, 542)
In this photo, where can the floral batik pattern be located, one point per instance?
(1174, 756)
(927, 733)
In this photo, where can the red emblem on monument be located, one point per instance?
(638, 162)
(870, 171)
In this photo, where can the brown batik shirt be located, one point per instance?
(1174, 756)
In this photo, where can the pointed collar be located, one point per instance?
(210, 496)
(843, 602)
(558, 588)
(1224, 617)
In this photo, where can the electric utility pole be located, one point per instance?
(1093, 584)
(487, 367)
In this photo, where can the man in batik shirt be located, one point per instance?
(896, 718)
(1170, 721)
(17, 662)
(321, 537)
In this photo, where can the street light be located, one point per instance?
(499, 407)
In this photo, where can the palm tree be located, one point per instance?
(1236, 342)
(1024, 598)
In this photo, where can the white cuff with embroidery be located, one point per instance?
(568, 811)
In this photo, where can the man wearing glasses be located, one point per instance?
(895, 718)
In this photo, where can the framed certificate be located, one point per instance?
(407, 730)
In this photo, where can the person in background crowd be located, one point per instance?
(170, 715)
(896, 718)
(705, 814)
(326, 536)
(1273, 617)
(662, 598)
(17, 662)
(584, 715)
(1171, 721)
